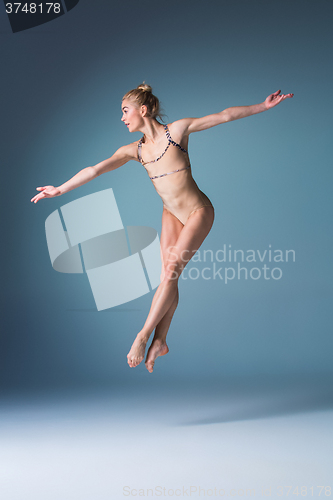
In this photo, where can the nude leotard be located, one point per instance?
(180, 193)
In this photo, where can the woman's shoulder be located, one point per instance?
(180, 127)
(130, 150)
(178, 132)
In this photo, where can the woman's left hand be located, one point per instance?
(274, 99)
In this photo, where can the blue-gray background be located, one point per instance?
(269, 177)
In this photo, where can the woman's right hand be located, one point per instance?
(46, 192)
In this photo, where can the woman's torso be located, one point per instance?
(167, 164)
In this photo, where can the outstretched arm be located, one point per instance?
(189, 125)
(119, 158)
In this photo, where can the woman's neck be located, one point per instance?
(152, 131)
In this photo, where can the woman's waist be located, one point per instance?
(191, 198)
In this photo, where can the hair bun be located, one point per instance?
(142, 95)
(144, 87)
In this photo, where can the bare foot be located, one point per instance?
(158, 348)
(137, 352)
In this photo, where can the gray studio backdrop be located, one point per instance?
(268, 176)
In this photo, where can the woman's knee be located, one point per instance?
(171, 274)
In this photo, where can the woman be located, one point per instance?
(187, 212)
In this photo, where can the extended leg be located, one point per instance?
(159, 346)
(171, 228)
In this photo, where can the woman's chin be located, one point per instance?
(133, 128)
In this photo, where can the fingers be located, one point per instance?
(35, 198)
(282, 95)
(278, 98)
(285, 96)
(38, 197)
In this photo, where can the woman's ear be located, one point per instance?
(144, 110)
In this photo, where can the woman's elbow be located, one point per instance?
(225, 116)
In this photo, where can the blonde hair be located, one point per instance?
(143, 96)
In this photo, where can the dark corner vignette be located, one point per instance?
(26, 15)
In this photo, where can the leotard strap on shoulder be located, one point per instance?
(170, 141)
(173, 142)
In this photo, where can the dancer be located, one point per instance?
(188, 214)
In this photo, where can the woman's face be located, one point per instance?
(132, 117)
